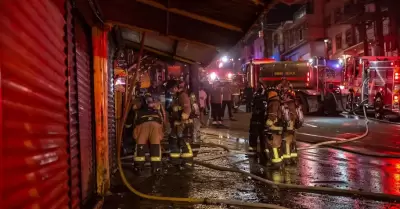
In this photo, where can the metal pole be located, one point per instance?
(363, 83)
(132, 86)
(317, 74)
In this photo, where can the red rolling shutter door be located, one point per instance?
(34, 106)
(84, 78)
(73, 115)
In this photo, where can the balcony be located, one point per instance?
(362, 11)
(350, 15)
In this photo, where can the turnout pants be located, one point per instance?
(275, 129)
(256, 133)
(179, 142)
(289, 139)
(148, 136)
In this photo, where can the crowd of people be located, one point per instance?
(220, 98)
(149, 119)
(183, 109)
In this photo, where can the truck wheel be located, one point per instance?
(302, 101)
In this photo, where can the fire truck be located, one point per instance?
(315, 81)
(374, 81)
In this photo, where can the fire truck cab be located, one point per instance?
(313, 80)
(376, 82)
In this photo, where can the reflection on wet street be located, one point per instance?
(325, 167)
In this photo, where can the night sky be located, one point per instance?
(282, 12)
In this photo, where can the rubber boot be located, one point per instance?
(264, 152)
(253, 142)
(155, 153)
(276, 157)
(286, 151)
(175, 151)
(253, 136)
(187, 154)
(140, 158)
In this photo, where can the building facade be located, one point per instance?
(358, 28)
(303, 37)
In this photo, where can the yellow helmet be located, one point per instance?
(272, 94)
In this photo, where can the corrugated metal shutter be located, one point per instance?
(111, 107)
(73, 114)
(35, 113)
(85, 95)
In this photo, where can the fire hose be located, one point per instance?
(334, 140)
(206, 201)
(234, 202)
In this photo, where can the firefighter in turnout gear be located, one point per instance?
(274, 126)
(257, 121)
(181, 125)
(148, 131)
(293, 120)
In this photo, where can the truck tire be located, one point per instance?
(302, 101)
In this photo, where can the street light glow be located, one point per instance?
(224, 59)
(213, 76)
(326, 40)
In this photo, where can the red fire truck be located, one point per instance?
(376, 82)
(312, 79)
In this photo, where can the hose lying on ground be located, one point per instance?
(185, 200)
(335, 191)
(334, 140)
(206, 201)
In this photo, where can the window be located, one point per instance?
(301, 30)
(293, 34)
(275, 40)
(337, 14)
(338, 40)
(310, 7)
(329, 46)
(349, 38)
(327, 21)
(347, 7)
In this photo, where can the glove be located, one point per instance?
(185, 116)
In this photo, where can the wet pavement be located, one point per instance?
(324, 167)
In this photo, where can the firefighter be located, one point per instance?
(274, 126)
(148, 131)
(257, 120)
(181, 123)
(292, 121)
(194, 113)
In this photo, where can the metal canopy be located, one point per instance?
(194, 30)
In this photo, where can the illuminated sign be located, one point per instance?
(284, 73)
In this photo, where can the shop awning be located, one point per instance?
(189, 30)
